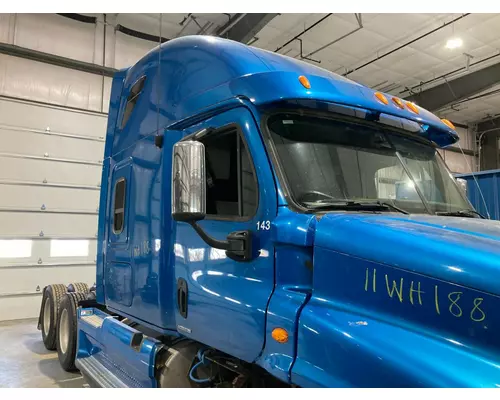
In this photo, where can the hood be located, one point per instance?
(465, 251)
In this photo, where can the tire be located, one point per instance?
(78, 287)
(51, 300)
(177, 362)
(67, 330)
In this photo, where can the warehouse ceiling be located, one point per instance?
(402, 54)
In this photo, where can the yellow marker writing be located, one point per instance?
(418, 291)
(374, 282)
(395, 288)
(474, 313)
(436, 299)
(366, 281)
(454, 308)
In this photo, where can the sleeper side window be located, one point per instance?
(231, 182)
(119, 206)
(132, 98)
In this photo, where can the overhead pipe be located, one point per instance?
(447, 74)
(360, 26)
(80, 18)
(304, 31)
(406, 44)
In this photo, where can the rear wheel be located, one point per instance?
(67, 330)
(78, 287)
(51, 300)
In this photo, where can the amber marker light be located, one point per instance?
(280, 335)
(412, 107)
(305, 82)
(380, 97)
(398, 102)
(448, 124)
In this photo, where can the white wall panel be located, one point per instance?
(106, 94)
(27, 279)
(4, 27)
(67, 190)
(40, 144)
(19, 224)
(36, 116)
(19, 307)
(26, 170)
(51, 33)
(129, 49)
(48, 83)
(54, 198)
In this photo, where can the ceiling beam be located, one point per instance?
(243, 27)
(457, 89)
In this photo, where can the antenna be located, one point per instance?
(475, 180)
(158, 86)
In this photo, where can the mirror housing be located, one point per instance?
(462, 183)
(189, 199)
(188, 181)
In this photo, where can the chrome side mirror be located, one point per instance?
(462, 183)
(188, 181)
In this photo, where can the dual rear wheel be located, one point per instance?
(58, 311)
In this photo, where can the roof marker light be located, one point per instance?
(448, 124)
(398, 102)
(304, 81)
(381, 98)
(412, 107)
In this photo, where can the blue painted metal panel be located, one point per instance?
(227, 300)
(114, 104)
(109, 343)
(489, 185)
(401, 296)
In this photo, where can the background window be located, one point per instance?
(132, 98)
(231, 183)
(119, 207)
(15, 248)
(69, 248)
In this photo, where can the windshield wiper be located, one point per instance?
(461, 213)
(356, 206)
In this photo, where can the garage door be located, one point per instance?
(50, 172)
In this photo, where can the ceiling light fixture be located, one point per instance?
(454, 43)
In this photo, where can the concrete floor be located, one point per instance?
(26, 363)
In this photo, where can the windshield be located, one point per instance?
(329, 161)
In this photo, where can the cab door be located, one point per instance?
(221, 302)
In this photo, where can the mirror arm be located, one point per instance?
(218, 244)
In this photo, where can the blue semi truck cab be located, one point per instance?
(265, 222)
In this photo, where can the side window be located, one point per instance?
(132, 98)
(119, 206)
(231, 183)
